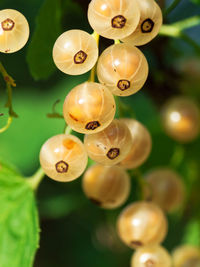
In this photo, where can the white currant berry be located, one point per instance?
(166, 188)
(123, 69)
(75, 52)
(141, 146)
(106, 186)
(113, 19)
(111, 145)
(14, 31)
(141, 224)
(89, 108)
(181, 119)
(149, 24)
(63, 157)
(151, 256)
(186, 256)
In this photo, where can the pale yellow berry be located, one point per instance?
(186, 256)
(106, 186)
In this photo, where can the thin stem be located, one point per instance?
(36, 179)
(68, 130)
(9, 121)
(187, 23)
(172, 7)
(177, 157)
(117, 41)
(95, 35)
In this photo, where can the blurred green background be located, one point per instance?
(74, 232)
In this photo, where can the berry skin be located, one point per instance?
(149, 24)
(89, 108)
(106, 186)
(111, 145)
(63, 157)
(141, 146)
(75, 52)
(186, 256)
(166, 188)
(151, 256)
(113, 19)
(14, 31)
(180, 118)
(141, 224)
(123, 69)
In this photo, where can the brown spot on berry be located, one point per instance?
(92, 125)
(7, 24)
(80, 57)
(113, 153)
(147, 26)
(95, 201)
(136, 243)
(123, 85)
(61, 166)
(149, 263)
(73, 118)
(118, 22)
(8, 50)
(68, 143)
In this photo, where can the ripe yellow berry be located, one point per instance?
(14, 30)
(111, 145)
(141, 146)
(141, 224)
(123, 69)
(63, 157)
(151, 256)
(75, 52)
(113, 19)
(186, 256)
(106, 186)
(89, 108)
(149, 24)
(166, 188)
(181, 119)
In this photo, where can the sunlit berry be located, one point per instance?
(106, 186)
(142, 223)
(111, 145)
(151, 256)
(113, 19)
(63, 157)
(14, 30)
(141, 146)
(123, 69)
(89, 108)
(149, 24)
(166, 188)
(181, 119)
(75, 52)
(186, 256)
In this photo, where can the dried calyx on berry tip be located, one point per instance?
(61, 166)
(7, 25)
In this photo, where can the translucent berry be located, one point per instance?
(63, 157)
(142, 223)
(141, 146)
(75, 52)
(113, 19)
(123, 69)
(14, 30)
(186, 256)
(181, 119)
(149, 24)
(111, 145)
(89, 108)
(151, 256)
(106, 186)
(166, 188)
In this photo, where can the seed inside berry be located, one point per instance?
(118, 22)
(147, 26)
(7, 25)
(123, 85)
(61, 166)
(80, 57)
(113, 153)
(92, 125)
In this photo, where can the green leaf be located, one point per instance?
(197, 2)
(18, 221)
(192, 233)
(48, 28)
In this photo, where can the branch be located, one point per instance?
(171, 7)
